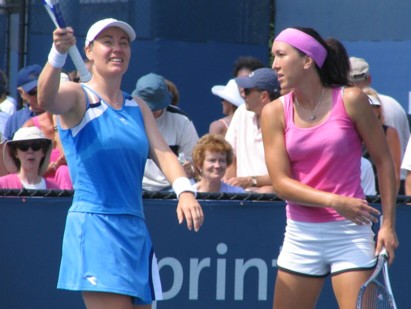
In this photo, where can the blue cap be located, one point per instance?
(28, 76)
(263, 79)
(152, 88)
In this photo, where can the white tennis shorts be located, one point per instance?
(319, 249)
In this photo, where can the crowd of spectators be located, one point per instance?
(243, 164)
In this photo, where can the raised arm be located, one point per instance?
(66, 99)
(188, 207)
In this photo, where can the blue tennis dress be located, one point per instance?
(106, 245)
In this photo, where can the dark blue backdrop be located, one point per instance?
(194, 43)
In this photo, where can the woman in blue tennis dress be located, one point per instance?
(107, 137)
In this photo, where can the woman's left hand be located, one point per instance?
(189, 208)
(387, 238)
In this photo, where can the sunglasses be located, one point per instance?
(34, 146)
(247, 91)
(32, 92)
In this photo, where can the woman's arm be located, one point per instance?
(188, 207)
(370, 129)
(394, 146)
(66, 99)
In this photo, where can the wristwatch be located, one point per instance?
(253, 181)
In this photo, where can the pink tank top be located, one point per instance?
(326, 157)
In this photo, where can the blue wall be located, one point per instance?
(194, 43)
(376, 30)
(243, 237)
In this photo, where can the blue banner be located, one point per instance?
(230, 263)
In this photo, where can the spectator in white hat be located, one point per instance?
(26, 158)
(230, 100)
(394, 114)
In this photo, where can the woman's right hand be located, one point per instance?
(63, 39)
(355, 209)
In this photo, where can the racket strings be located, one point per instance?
(376, 296)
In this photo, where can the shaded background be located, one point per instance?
(194, 43)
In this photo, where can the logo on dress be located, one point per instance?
(123, 120)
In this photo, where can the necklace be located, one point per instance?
(314, 112)
(116, 102)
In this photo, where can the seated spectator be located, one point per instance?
(249, 170)
(211, 156)
(7, 103)
(57, 168)
(391, 135)
(26, 158)
(394, 114)
(174, 125)
(230, 100)
(27, 87)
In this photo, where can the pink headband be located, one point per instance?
(304, 42)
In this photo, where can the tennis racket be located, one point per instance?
(374, 294)
(53, 8)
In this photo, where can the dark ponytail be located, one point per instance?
(336, 67)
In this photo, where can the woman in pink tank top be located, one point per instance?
(312, 139)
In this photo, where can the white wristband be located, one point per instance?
(182, 184)
(56, 59)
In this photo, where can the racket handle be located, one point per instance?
(85, 75)
(384, 253)
(58, 20)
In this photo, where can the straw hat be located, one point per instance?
(25, 134)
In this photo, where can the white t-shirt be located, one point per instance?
(38, 186)
(406, 162)
(245, 137)
(396, 117)
(367, 177)
(8, 106)
(178, 132)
